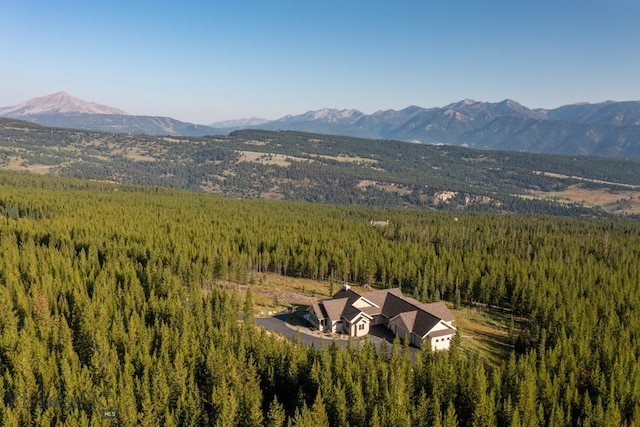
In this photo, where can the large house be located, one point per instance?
(352, 313)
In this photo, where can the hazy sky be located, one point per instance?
(203, 61)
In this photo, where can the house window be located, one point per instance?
(361, 326)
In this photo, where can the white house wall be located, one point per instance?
(336, 327)
(355, 328)
(441, 343)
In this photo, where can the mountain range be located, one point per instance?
(602, 129)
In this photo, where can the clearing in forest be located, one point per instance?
(484, 332)
(273, 293)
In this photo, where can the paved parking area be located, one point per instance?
(278, 324)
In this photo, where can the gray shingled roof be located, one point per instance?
(417, 317)
(440, 310)
(334, 308)
(378, 297)
(372, 311)
(350, 312)
(318, 311)
(441, 333)
(394, 305)
(423, 322)
(347, 293)
(408, 319)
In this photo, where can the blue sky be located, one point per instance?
(203, 61)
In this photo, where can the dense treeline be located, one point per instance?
(109, 303)
(318, 168)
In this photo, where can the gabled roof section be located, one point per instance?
(347, 293)
(372, 311)
(407, 319)
(441, 333)
(439, 309)
(350, 313)
(315, 307)
(334, 308)
(394, 305)
(423, 321)
(354, 298)
(379, 297)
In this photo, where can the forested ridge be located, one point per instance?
(111, 313)
(316, 168)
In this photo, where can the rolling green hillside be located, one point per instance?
(331, 169)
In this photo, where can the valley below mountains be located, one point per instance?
(330, 169)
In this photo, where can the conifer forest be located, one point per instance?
(111, 313)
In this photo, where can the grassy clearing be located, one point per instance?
(485, 333)
(348, 159)
(273, 293)
(138, 156)
(579, 178)
(175, 140)
(269, 159)
(40, 169)
(16, 163)
(618, 202)
(614, 201)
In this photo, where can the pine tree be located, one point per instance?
(250, 412)
(319, 412)
(275, 416)
(247, 311)
(450, 418)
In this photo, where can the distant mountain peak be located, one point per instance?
(330, 115)
(239, 123)
(462, 104)
(58, 103)
(511, 103)
(334, 114)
